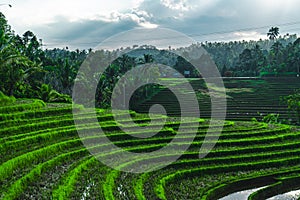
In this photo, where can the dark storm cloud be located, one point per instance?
(203, 19)
(81, 34)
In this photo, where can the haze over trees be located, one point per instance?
(28, 71)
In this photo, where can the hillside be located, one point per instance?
(246, 97)
(42, 155)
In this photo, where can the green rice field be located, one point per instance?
(42, 156)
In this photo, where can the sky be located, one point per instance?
(84, 24)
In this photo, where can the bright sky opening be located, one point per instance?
(84, 24)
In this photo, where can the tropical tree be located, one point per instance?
(147, 58)
(246, 61)
(251, 61)
(273, 33)
(293, 102)
(32, 47)
(61, 67)
(260, 57)
(126, 63)
(47, 94)
(277, 58)
(13, 65)
(13, 69)
(293, 57)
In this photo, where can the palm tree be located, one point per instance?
(125, 63)
(12, 69)
(11, 63)
(273, 33)
(147, 58)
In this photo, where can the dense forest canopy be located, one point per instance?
(28, 71)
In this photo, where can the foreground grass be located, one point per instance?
(36, 140)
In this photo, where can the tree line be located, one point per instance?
(28, 71)
(276, 56)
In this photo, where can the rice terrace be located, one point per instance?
(42, 156)
(72, 127)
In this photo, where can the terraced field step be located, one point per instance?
(42, 154)
(244, 96)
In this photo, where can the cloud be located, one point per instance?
(249, 35)
(84, 23)
(181, 5)
(88, 33)
(141, 18)
(174, 8)
(205, 18)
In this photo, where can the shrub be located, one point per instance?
(77, 107)
(38, 104)
(48, 94)
(253, 119)
(5, 100)
(271, 118)
(293, 102)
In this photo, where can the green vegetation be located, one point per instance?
(5, 100)
(293, 102)
(42, 156)
(28, 71)
(265, 99)
(33, 147)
